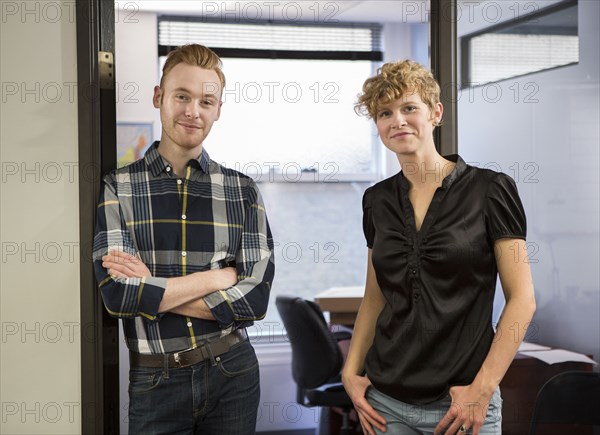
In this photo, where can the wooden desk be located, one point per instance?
(342, 303)
(520, 385)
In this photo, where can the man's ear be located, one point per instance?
(157, 98)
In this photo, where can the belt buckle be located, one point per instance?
(177, 357)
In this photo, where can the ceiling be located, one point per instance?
(413, 11)
(473, 13)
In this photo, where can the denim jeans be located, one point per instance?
(218, 396)
(405, 419)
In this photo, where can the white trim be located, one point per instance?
(273, 354)
(313, 177)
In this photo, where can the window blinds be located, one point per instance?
(499, 56)
(274, 40)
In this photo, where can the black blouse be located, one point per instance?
(436, 327)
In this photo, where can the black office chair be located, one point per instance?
(316, 357)
(568, 398)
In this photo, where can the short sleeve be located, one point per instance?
(505, 215)
(368, 227)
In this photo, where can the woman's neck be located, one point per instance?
(425, 170)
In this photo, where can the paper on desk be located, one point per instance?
(555, 356)
(527, 346)
(348, 292)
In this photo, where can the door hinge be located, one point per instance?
(106, 70)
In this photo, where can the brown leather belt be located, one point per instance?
(190, 357)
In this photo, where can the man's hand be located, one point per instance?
(123, 265)
(356, 387)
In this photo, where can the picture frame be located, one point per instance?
(133, 139)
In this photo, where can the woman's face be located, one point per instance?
(406, 125)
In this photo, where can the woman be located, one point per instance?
(439, 233)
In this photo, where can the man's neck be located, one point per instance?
(177, 156)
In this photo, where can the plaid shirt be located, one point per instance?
(211, 218)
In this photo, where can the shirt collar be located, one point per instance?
(158, 164)
(458, 170)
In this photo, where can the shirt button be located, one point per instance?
(183, 254)
(168, 169)
(179, 181)
(189, 324)
(183, 216)
(416, 296)
(413, 271)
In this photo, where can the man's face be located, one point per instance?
(189, 102)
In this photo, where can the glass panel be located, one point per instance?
(542, 130)
(523, 47)
(499, 56)
(293, 118)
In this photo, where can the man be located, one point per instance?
(183, 254)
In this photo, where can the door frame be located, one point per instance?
(97, 156)
(443, 43)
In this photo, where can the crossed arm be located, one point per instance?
(183, 295)
(228, 295)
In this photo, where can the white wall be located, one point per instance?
(137, 72)
(136, 67)
(542, 129)
(39, 282)
(278, 409)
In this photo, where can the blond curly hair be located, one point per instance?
(393, 80)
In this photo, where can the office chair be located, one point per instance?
(316, 357)
(568, 398)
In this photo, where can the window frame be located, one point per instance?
(465, 43)
(375, 56)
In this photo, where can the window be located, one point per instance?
(288, 116)
(288, 112)
(540, 41)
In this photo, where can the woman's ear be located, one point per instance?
(438, 113)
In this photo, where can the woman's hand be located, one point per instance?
(467, 411)
(123, 265)
(356, 387)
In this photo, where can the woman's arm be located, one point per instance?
(472, 400)
(362, 339)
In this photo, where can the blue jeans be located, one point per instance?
(218, 396)
(405, 419)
